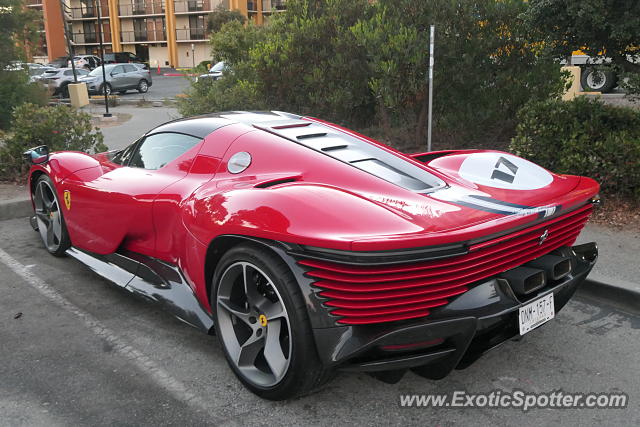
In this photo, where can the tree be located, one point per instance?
(220, 16)
(17, 31)
(487, 66)
(599, 28)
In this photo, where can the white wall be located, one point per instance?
(158, 55)
(202, 52)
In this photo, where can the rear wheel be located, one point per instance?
(262, 323)
(49, 217)
(143, 86)
(598, 80)
(64, 91)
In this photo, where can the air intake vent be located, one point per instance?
(354, 151)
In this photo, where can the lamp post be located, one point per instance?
(431, 42)
(104, 74)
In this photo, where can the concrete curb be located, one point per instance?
(619, 293)
(15, 208)
(131, 101)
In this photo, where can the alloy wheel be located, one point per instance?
(254, 324)
(48, 216)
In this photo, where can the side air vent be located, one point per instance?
(274, 182)
(354, 151)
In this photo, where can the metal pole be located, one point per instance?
(65, 27)
(431, 39)
(104, 75)
(193, 55)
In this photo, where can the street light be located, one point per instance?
(104, 75)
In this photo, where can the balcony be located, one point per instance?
(34, 3)
(141, 8)
(193, 6)
(84, 12)
(269, 6)
(153, 36)
(89, 38)
(191, 34)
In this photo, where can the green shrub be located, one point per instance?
(15, 90)
(60, 128)
(583, 137)
(364, 64)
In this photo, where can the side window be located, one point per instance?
(123, 156)
(68, 73)
(158, 149)
(129, 68)
(117, 70)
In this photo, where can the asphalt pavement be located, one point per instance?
(75, 350)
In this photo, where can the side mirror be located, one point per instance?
(38, 155)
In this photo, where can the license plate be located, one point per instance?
(536, 313)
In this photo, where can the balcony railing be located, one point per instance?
(143, 36)
(193, 6)
(88, 12)
(191, 34)
(141, 8)
(34, 2)
(90, 38)
(274, 5)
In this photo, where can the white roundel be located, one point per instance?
(501, 170)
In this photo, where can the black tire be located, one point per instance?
(598, 80)
(122, 92)
(304, 371)
(143, 86)
(47, 216)
(106, 87)
(64, 91)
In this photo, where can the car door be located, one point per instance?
(111, 206)
(132, 75)
(118, 79)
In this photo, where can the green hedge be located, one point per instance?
(59, 127)
(583, 137)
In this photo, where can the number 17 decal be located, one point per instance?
(504, 176)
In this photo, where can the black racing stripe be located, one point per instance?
(501, 202)
(481, 208)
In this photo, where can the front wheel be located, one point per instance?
(106, 89)
(262, 323)
(49, 217)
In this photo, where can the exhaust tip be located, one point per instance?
(525, 280)
(555, 267)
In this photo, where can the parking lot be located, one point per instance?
(77, 350)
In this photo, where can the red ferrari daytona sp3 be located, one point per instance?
(307, 248)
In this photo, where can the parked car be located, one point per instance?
(36, 72)
(60, 62)
(123, 58)
(120, 78)
(57, 79)
(214, 73)
(86, 61)
(306, 248)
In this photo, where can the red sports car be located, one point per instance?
(307, 248)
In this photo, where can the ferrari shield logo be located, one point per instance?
(67, 199)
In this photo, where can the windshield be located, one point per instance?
(218, 67)
(96, 72)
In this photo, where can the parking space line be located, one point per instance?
(162, 378)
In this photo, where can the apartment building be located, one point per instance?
(162, 32)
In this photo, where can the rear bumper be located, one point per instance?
(452, 336)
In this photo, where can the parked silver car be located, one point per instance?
(57, 79)
(120, 78)
(214, 73)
